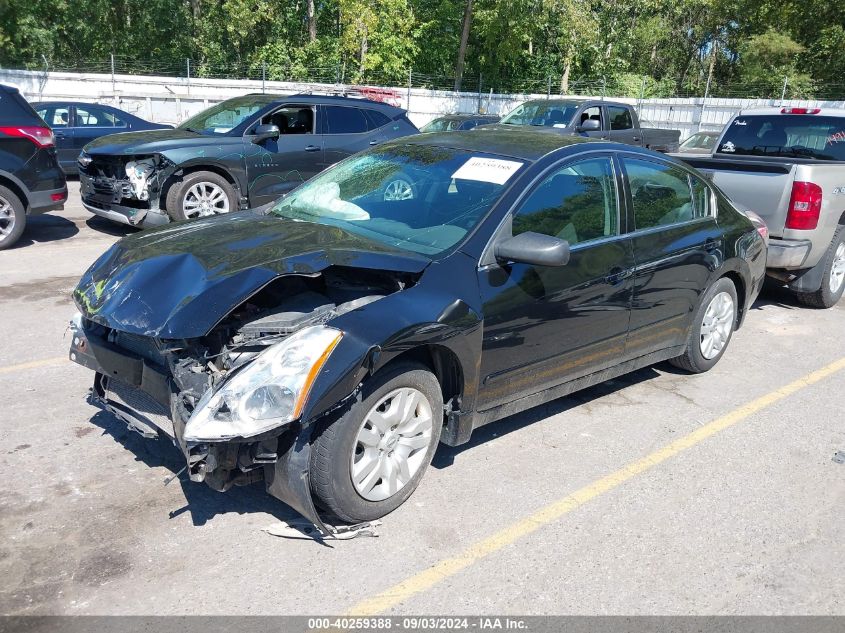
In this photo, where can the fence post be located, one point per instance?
(704, 101)
(548, 87)
(480, 78)
(783, 92)
(410, 82)
(112, 76)
(188, 72)
(263, 74)
(603, 87)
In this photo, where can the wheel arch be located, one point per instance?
(193, 168)
(15, 188)
(741, 294)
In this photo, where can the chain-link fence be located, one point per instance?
(628, 85)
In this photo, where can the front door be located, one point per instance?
(544, 326)
(275, 166)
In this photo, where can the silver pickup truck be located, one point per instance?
(788, 165)
(596, 118)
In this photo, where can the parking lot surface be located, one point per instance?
(576, 507)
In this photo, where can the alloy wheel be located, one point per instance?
(717, 325)
(837, 269)
(203, 199)
(7, 218)
(391, 444)
(398, 189)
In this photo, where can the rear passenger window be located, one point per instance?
(701, 197)
(343, 120)
(95, 117)
(376, 119)
(660, 193)
(620, 118)
(577, 203)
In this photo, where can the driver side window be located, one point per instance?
(576, 203)
(291, 120)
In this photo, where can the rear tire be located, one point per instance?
(712, 328)
(200, 194)
(833, 279)
(12, 218)
(367, 442)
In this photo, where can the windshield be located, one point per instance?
(417, 197)
(699, 141)
(441, 125)
(796, 136)
(225, 116)
(546, 114)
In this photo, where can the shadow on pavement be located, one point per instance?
(102, 225)
(46, 228)
(445, 455)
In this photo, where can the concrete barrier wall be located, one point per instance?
(174, 99)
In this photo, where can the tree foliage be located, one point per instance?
(635, 47)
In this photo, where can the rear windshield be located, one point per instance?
(14, 110)
(792, 135)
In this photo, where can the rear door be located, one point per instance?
(677, 244)
(349, 130)
(621, 125)
(544, 326)
(275, 166)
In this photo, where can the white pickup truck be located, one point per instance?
(788, 165)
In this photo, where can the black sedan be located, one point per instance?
(75, 124)
(327, 345)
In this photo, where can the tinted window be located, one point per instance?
(701, 197)
(89, 116)
(343, 120)
(801, 136)
(576, 203)
(620, 118)
(14, 110)
(54, 116)
(376, 119)
(291, 119)
(660, 193)
(412, 197)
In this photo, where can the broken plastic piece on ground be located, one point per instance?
(170, 478)
(304, 529)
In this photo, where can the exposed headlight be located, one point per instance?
(84, 159)
(268, 393)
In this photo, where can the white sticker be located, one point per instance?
(728, 147)
(493, 170)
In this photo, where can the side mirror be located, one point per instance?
(534, 249)
(590, 125)
(263, 132)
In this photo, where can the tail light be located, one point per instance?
(800, 110)
(805, 205)
(41, 136)
(759, 224)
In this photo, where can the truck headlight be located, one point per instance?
(268, 393)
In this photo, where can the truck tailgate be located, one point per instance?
(762, 186)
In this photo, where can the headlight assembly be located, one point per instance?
(269, 392)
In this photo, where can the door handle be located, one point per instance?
(312, 148)
(618, 275)
(58, 134)
(374, 142)
(636, 139)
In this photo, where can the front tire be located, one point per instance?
(833, 279)
(12, 218)
(367, 462)
(200, 194)
(712, 328)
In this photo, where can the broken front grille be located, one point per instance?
(131, 400)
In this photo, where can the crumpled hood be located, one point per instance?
(180, 281)
(151, 142)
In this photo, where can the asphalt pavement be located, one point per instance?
(657, 493)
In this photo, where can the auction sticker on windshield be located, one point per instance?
(495, 170)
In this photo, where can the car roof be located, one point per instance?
(326, 99)
(467, 116)
(840, 112)
(514, 141)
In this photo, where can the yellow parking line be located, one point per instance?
(34, 364)
(448, 567)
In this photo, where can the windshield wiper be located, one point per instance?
(194, 130)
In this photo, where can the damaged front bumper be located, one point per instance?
(125, 189)
(144, 399)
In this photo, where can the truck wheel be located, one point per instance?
(200, 194)
(833, 279)
(12, 218)
(712, 328)
(367, 462)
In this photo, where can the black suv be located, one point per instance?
(31, 180)
(242, 153)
